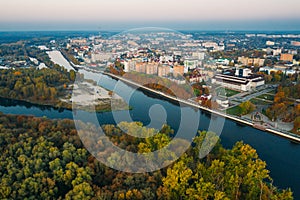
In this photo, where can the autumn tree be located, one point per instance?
(246, 107)
(45, 159)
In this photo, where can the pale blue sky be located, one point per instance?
(95, 14)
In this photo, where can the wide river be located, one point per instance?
(282, 156)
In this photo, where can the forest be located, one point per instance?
(43, 86)
(45, 159)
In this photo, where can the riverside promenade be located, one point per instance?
(290, 136)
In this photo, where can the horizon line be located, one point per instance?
(121, 30)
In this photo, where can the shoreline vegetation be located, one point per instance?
(278, 110)
(45, 158)
(49, 86)
(53, 87)
(290, 136)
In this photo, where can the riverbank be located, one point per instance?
(88, 96)
(279, 153)
(286, 135)
(56, 105)
(53, 104)
(85, 100)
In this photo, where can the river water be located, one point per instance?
(282, 156)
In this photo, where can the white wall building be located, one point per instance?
(165, 59)
(223, 102)
(277, 52)
(269, 70)
(190, 63)
(239, 81)
(198, 55)
(101, 57)
(222, 61)
(270, 43)
(129, 66)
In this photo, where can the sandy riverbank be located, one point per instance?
(88, 96)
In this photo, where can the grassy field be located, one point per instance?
(259, 102)
(226, 92)
(272, 92)
(266, 97)
(234, 111)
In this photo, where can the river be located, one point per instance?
(280, 154)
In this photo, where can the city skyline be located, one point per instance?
(117, 14)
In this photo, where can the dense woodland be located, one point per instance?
(45, 159)
(38, 86)
(43, 86)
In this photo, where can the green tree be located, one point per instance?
(246, 107)
(296, 128)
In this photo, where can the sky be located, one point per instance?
(124, 14)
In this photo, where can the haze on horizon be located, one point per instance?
(123, 14)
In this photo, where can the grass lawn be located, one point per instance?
(234, 111)
(259, 102)
(272, 92)
(266, 97)
(226, 92)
